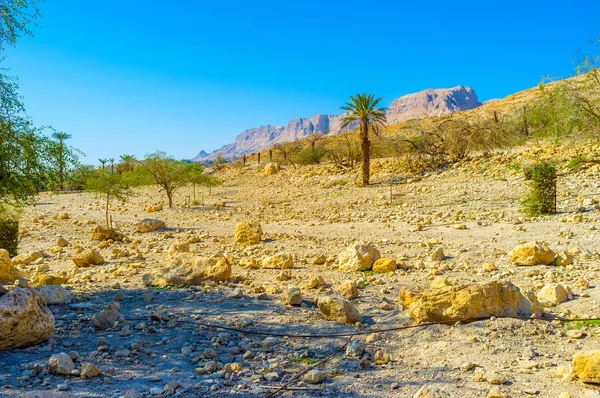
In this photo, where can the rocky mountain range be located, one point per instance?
(426, 103)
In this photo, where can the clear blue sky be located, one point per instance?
(126, 76)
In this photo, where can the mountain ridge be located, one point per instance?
(425, 103)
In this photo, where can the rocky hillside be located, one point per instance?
(431, 102)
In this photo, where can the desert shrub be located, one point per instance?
(311, 155)
(344, 149)
(541, 198)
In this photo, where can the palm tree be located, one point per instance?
(61, 137)
(363, 108)
(112, 164)
(103, 162)
(127, 163)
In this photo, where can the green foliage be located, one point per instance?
(15, 18)
(541, 198)
(307, 360)
(171, 174)
(515, 166)
(555, 115)
(576, 161)
(9, 235)
(311, 155)
(109, 185)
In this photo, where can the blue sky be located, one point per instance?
(133, 77)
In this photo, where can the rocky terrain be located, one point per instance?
(426, 103)
(305, 251)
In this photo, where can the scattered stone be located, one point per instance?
(292, 296)
(150, 225)
(270, 169)
(431, 392)
(314, 282)
(24, 319)
(28, 258)
(47, 394)
(188, 269)
(349, 289)
(88, 257)
(106, 319)
(48, 280)
(8, 272)
(60, 364)
(586, 366)
(553, 294)
(278, 261)
(247, 234)
(382, 357)
(55, 294)
(338, 310)
(314, 376)
(438, 254)
(478, 300)
(532, 253)
(100, 234)
(358, 257)
(384, 265)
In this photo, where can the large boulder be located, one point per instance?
(55, 294)
(271, 168)
(277, 261)
(8, 272)
(99, 233)
(247, 234)
(479, 300)
(27, 258)
(187, 269)
(532, 253)
(338, 310)
(586, 366)
(150, 225)
(24, 319)
(87, 257)
(358, 257)
(553, 294)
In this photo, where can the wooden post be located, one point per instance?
(244, 160)
(270, 155)
(284, 155)
(258, 158)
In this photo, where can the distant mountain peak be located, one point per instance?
(426, 103)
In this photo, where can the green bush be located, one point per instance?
(311, 155)
(541, 198)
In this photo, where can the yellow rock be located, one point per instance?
(479, 300)
(271, 168)
(384, 265)
(532, 253)
(8, 272)
(349, 289)
(278, 261)
(247, 234)
(586, 366)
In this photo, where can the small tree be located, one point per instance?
(108, 185)
(195, 175)
(167, 172)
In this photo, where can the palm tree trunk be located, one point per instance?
(366, 161)
(366, 153)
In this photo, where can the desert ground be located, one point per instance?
(469, 210)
